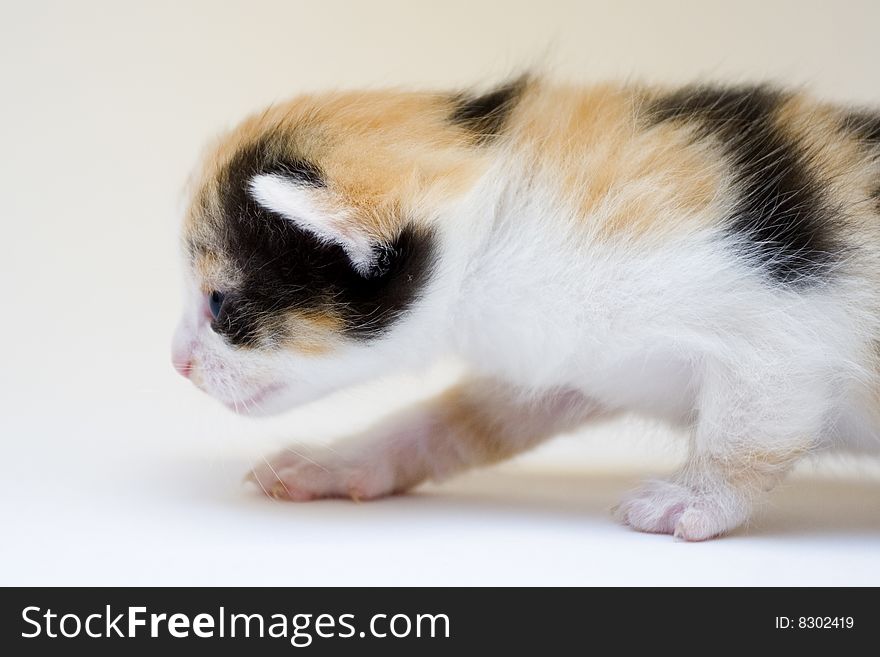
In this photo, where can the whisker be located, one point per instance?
(280, 480)
(257, 479)
(301, 455)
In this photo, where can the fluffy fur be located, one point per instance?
(705, 255)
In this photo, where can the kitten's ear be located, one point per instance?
(299, 204)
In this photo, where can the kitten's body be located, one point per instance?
(707, 256)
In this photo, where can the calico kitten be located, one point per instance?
(706, 255)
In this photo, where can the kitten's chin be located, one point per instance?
(270, 400)
(274, 399)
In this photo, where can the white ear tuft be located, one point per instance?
(298, 203)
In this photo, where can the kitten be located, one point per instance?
(704, 255)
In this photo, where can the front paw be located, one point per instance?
(666, 507)
(301, 474)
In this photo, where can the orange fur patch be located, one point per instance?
(312, 334)
(609, 167)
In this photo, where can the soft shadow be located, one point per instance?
(562, 494)
(811, 506)
(802, 506)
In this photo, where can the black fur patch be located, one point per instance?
(285, 268)
(865, 126)
(297, 169)
(781, 211)
(485, 116)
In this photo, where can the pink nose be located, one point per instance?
(184, 368)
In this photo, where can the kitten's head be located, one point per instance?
(310, 244)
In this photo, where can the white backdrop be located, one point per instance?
(117, 471)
